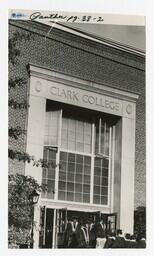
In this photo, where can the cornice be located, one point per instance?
(58, 77)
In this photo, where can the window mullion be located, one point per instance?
(58, 155)
(110, 164)
(92, 164)
(112, 167)
(104, 142)
(99, 140)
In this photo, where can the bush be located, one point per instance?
(20, 210)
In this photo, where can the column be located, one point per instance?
(127, 175)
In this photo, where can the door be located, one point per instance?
(60, 226)
(111, 222)
(42, 227)
(46, 228)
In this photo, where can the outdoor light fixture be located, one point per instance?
(34, 197)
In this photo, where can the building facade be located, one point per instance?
(87, 120)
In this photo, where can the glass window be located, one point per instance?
(102, 135)
(51, 127)
(76, 135)
(101, 180)
(76, 159)
(76, 179)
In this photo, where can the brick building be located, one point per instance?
(86, 114)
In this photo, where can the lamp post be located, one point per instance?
(33, 199)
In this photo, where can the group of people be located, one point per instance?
(87, 234)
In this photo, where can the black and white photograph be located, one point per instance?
(76, 131)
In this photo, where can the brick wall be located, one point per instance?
(86, 60)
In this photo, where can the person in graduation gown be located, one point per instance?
(70, 233)
(119, 241)
(109, 240)
(100, 230)
(82, 235)
(92, 234)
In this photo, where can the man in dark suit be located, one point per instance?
(119, 241)
(140, 241)
(70, 233)
(82, 235)
(110, 240)
(92, 235)
(127, 240)
(100, 230)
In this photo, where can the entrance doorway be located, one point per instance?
(54, 223)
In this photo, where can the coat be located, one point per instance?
(119, 242)
(100, 230)
(81, 238)
(92, 237)
(109, 242)
(70, 235)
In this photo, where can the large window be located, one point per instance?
(74, 177)
(76, 135)
(82, 158)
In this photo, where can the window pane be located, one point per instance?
(51, 174)
(78, 187)
(63, 156)
(96, 199)
(87, 148)
(104, 172)
(87, 169)
(51, 127)
(105, 163)
(71, 167)
(97, 162)
(87, 160)
(79, 158)
(97, 190)
(87, 179)
(51, 155)
(44, 173)
(86, 188)
(44, 181)
(97, 180)
(78, 197)
(79, 168)
(104, 181)
(79, 137)
(71, 145)
(51, 189)
(72, 124)
(104, 190)
(64, 123)
(62, 175)
(80, 146)
(97, 171)
(80, 126)
(70, 196)
(70, 176)
(64, 134)
(70, 186)
(62, 185)
(64, 144)
(103, 200)
(78, 178)
(71, 157)
(62, 166)
(86, 198)
(61, 195)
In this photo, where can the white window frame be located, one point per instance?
(92, 155)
